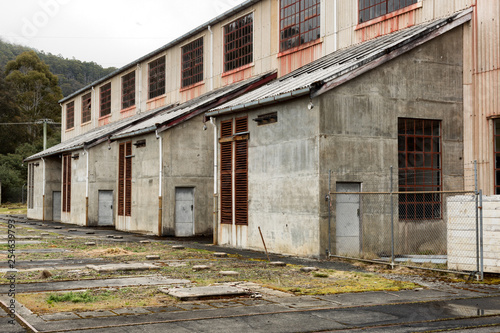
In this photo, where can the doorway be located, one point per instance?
(184, 211)
(348, 226)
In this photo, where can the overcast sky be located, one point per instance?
(109, 32)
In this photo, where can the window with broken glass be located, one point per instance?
(370, 9)
(300, 22)
(192, 63)
(419, 155)
(238, 43)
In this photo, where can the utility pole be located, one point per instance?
(38, 122)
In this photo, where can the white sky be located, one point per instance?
(109, 32)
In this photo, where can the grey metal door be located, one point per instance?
(56, 206)
(184, 211)
(105, 218)
(347, 219)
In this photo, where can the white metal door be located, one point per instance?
(105, 218)
(347, 219)
(56, 206)
(184, 211)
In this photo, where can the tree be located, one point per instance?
(37, 90)
(9, 113)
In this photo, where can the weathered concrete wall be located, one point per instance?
(188, 162)
(52, 183)
(78, 187)
(462, 253)
(282, 182)
(144, 212)
(103, 168)
(359, 131)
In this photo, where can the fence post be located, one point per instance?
(329, 197)
(477, 216)
(392, 224)
(481, 234)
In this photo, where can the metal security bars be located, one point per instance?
(375, 226)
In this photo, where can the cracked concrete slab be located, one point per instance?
(196, 293)
(91, 284)
(123, 267)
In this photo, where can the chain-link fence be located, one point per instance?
(411, 225)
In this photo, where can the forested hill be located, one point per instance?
(73, 74)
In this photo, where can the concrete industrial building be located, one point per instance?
(443, 75)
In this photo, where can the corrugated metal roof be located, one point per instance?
(335, 65)
(163, 117)
(91, 136)
(176, 41)
(146, 122)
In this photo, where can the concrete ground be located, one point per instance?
(435, 307)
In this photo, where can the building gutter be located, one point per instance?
(86, 152)
(262, 102)
(211, 57)
(43, 190)
(160, 184)
(167, 46)
(135, 133)
(216, 185)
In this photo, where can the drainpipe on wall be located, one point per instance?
(139, 99)
(216, 187)
(86, 153)
(160, 193)
(211, 58)
(335, 25)
(95, 116)
(43, 190)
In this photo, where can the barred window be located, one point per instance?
(238, 43)
(86, 108)
(128, 90)
(370, 9)
(192, 63)
(157, 77)
(70, 115)
(300, 22)
(419, 154)
(105, 99)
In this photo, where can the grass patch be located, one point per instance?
(16, 209)
(93, 300)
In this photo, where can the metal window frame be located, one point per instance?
(87, 108)
(105, 99)
(369, 10)
(496, 154)
(413, 178)
(304, 12)
(70, 115)
(128, 90)
(156, 77)
(238, 43)
(192, 62)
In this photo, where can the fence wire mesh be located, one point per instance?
(411, 225)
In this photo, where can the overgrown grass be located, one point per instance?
(96, 299)
(16, 209)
